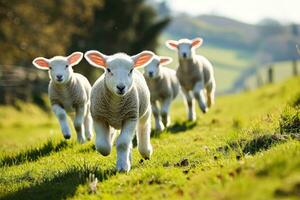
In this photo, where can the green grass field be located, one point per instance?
(235, 151)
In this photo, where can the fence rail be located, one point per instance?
(19, 82)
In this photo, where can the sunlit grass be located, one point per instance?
(235, 151)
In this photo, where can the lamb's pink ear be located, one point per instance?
(96, 59)
(41, 63)
(142, 59)
(172, 44)
(75, 58)
(164, 60)
(197, 42)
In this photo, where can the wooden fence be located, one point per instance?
(24, 83)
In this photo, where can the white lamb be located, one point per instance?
(164, 87)
(120, 99)
(195, 74)
(69, 92)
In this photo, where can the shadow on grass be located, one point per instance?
(62, 185)
(177, 127)
(255, 145)
(35, 153)
(181, 126)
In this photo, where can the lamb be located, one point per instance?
(298, 49)
(164, 87)
(120, 99)
(69, 92)
(195, 74)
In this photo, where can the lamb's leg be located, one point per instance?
(211, 88)
(158, 123)
(103, 141)
(62, 118)
(165, 111)
(143, 136)
(78, 123)
(199, 93)
(124, 145)
(190, 105)
(88, 124)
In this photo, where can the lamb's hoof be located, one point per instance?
(89, 138)
(81, 140)
(89, 135)
(104, 151)
(123, 167)
(124, 171)
(67, 137)
(204, 110)
(192, 119)
(146, 153)
(161, 129)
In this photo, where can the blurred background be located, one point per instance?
(250, 43)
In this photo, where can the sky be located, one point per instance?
(249, 11)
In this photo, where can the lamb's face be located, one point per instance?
(185, 47)
(118, 74)
(152, 70)
(59, 70)
(59, 67)
(118, 68)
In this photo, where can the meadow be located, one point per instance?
(245, 147)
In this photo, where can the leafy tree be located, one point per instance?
(128, 26)
(29, 28)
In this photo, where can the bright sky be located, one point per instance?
(250, 11)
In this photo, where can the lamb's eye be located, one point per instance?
(130, 72)
(108, 70)
(67, 66)
(50, 67)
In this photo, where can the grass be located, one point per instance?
(239, 150)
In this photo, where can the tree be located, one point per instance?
(30, 28)
(128, 26)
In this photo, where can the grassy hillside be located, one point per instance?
(235, 151)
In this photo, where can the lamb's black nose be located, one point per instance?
(150, 74)
(59, 77)
(121, 88)
(184, 55)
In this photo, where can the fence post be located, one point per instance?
(295, 69)
(270, 74)
(259, 81)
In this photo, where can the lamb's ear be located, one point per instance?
(172, 44)
(95, 58)
(298, 49)
(41, 63)
(142, 59)
(164, 60)
(75, 58)
(197, 42)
